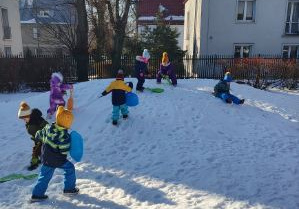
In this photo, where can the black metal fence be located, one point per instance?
(35, 71)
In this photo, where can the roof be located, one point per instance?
(173, 11)
(151, 7)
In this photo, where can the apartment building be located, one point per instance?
(10, 28)
(242, 27)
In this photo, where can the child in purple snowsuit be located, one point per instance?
(166, 69)
(56, 93)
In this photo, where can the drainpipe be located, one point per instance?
(208, 26)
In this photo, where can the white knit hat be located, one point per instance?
(58, 75)
(146, 54)
(24, 110)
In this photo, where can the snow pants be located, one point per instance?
(46, 174)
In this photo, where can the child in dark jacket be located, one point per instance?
(56, 145)
(118, 89)
(33, 122)
(222, 90)
(141, 69)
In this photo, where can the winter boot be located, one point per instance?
(114, 122)
(242, 101)
(35, 198)
(125, 116)
(71, 191)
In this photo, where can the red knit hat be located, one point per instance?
(120, 75)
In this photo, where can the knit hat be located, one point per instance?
(64, 117)
(57, 75)
(120, 75)
(228, 77)
(165, 59)
(146, 54)
(24, 110)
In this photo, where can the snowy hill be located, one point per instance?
(179, 149)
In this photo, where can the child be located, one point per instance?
(166, 69)
(56, 144)
(141, 69)
(221, 90)
(119, 89)
(33, 122)
(56, 93)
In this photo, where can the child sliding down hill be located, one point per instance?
(119, 89)
(222, 90)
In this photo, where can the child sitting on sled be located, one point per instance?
(222, 90)
(119, 89)
(57, 92)
(56, 145)
(166, 70)
(33, 122)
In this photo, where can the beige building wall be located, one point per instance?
(14, 41)
(39, 41)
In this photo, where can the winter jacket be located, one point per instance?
(221, 87)
(167, 70)
(56, 144)
(118, 89)
(140, 67)
(36, 123)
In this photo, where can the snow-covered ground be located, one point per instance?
(179, 149)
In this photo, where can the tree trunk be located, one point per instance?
(118, 42)
(81, 54)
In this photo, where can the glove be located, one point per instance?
(130, 84)
(34, 161)
(141, 74)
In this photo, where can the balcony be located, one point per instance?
(6, 32)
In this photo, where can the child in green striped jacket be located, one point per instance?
(56, 145)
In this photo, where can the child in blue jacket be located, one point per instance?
(222, 90)
(55, 147)
(118, 89)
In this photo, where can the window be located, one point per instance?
(290, 51)
(246, 10)
(7, 51)
(35, 33)
(5, 24)
(292, 23)
(44, 13)
(242, 51)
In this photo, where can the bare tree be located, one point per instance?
(118, 14)
(70, 27)
(98, 16)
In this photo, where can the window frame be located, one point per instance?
(290, 22)
(242, 45)
(245, 12)
(5, 51)
(289, 50)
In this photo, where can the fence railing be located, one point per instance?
(35, 71)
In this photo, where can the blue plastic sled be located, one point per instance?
(132, 99)
(76, 150)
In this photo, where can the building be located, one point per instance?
(10, 29)
(242, 27)
(173, 11)
(39, 21)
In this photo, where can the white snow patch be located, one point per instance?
(182, 148)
